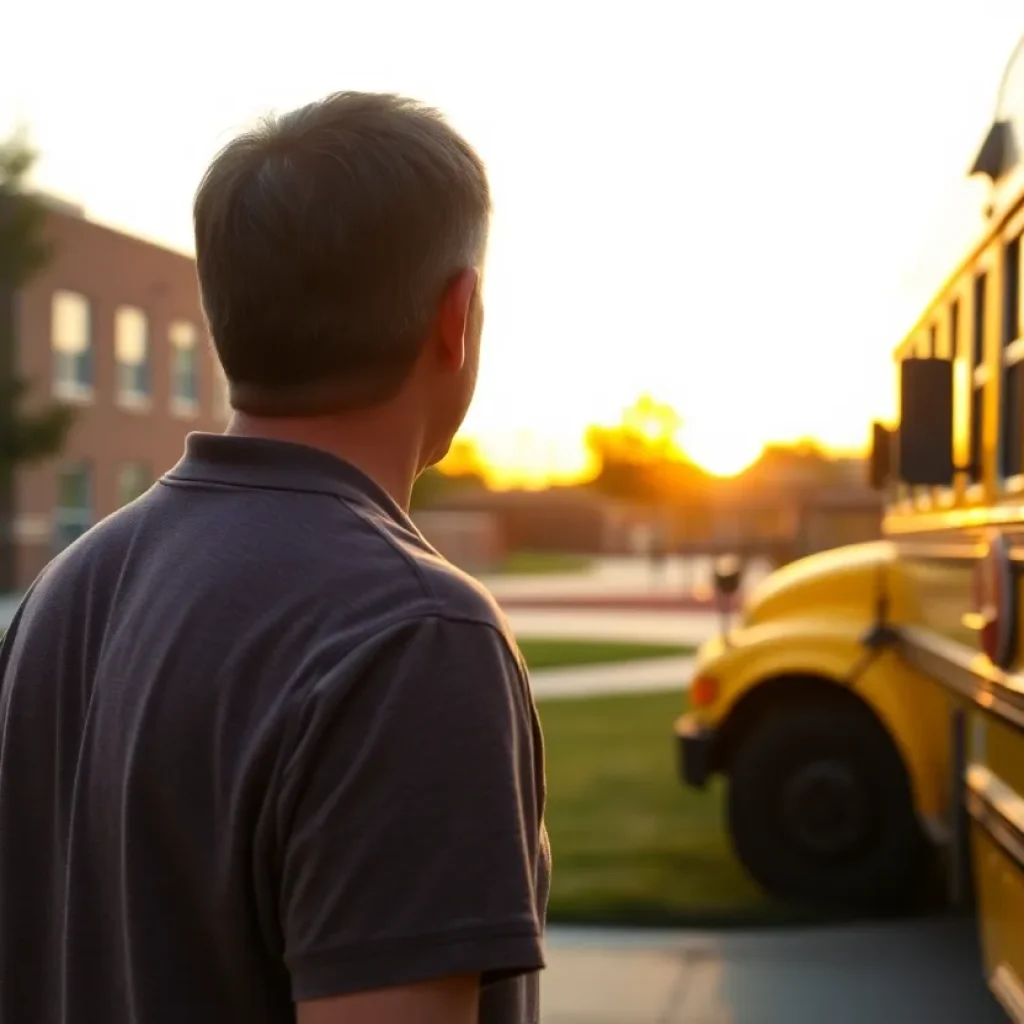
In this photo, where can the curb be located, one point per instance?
(672, 673)
(651, 603)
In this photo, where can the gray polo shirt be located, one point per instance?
(259, 743)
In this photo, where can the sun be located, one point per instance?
(721, 452)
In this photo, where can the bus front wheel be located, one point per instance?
(821, 812)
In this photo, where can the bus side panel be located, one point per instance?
(937, 592)
(1001, 750)
(994, 791)
(1000, 904)
(916, 710)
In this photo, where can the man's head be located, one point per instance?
(339, 250)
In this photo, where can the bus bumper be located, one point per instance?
(694, 749)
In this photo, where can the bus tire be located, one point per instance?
(820, 810)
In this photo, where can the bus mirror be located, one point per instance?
(924, 439)
(880, 460)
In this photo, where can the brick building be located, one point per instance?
(113, 327)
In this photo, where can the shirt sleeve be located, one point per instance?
(413, 803)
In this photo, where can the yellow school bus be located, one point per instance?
(837, 749)
(871, 698)
(956, 517)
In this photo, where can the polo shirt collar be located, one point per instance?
(257, 462)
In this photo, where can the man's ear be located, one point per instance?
(453, 318)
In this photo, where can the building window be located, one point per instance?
(184, 368)
(73, 514)
(133, 480)
(954, 330)
(71, 344)
(962, 388)
(131, 351)
(1012, 427)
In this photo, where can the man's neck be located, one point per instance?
(392, 462)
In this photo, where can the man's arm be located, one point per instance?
(448, 1001)
(411, 809)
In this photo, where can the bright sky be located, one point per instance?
(737, 207)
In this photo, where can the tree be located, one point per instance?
(640, 457)
(26, 435)
(801, 466)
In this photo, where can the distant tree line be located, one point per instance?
(641, 462)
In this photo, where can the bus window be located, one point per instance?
(978, 377)
(1012, 420)
(925, 346)
(957, 351)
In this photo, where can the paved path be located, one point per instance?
(649, 675)
(614, 602)
(619, 576)
(628, 626)
(924, 972)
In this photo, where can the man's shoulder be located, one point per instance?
(459, 595)
(97, 554)
(419, 575)
(353, 577)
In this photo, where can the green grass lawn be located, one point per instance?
(631, 844)
(558, 653)
(544, 563)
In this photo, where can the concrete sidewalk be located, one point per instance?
(921, 972)
(621, 577)
(676, 627)
(650, 675)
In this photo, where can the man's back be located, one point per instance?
(238, 722)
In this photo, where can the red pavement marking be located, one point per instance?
(615, 602)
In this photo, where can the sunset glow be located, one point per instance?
(721, 452)
(722, 211)
(524, 459)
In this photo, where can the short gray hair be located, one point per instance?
(324, 240)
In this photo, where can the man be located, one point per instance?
(265, 756)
